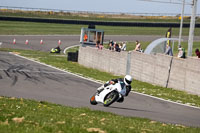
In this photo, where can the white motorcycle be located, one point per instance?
(109, 94)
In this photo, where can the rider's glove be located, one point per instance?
(111, 82)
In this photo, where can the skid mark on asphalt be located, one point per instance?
(13, 72)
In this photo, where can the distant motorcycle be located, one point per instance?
(55, 50)
(110, 94)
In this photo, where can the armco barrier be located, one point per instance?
(163, 70)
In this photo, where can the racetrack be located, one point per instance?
(20, 77)
(51, 41)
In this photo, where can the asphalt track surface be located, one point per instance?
(66, 40)
(20, 77)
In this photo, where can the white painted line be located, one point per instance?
(100, 82)
(64, 51)
(66, 72)
(165, 100)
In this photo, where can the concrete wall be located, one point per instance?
(105, 60)
(150, 68)
(163, 70)
(185, 75)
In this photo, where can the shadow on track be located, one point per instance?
(122, 108)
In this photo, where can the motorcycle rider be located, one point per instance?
(125, 84)
(55, 50)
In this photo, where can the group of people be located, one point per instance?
(122, 47)
(114, 46)
(181, 52)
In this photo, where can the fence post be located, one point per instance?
(169, 71)
(128, 63)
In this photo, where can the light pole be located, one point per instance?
(181, 25)
(192, 26)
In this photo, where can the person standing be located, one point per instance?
(85, 38)
(169, 50)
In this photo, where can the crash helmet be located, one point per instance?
(128, 79)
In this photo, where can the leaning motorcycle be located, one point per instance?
(109, 95)
(55, 50)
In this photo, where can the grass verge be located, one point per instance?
(31, 28)
(20, 115)
(142, 87)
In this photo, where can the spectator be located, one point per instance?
(138, 46)
(120, 46)
(169, 50)
(111, 45)
(168, 35)
(85, 38)
(100, 46)
(116, 47)
(97, 44)
(181, 53)
(197, 53)
(123, 46)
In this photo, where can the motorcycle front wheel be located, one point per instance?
(110, 98)
(92, 100)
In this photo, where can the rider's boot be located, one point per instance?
(121, 99)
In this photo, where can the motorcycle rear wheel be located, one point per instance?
(110, 98)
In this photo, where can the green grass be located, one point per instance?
(146, 88)
(27, 116)
(73, 49)
(31, 28)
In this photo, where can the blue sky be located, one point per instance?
(130, 6)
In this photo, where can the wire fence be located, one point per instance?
(2, 8)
